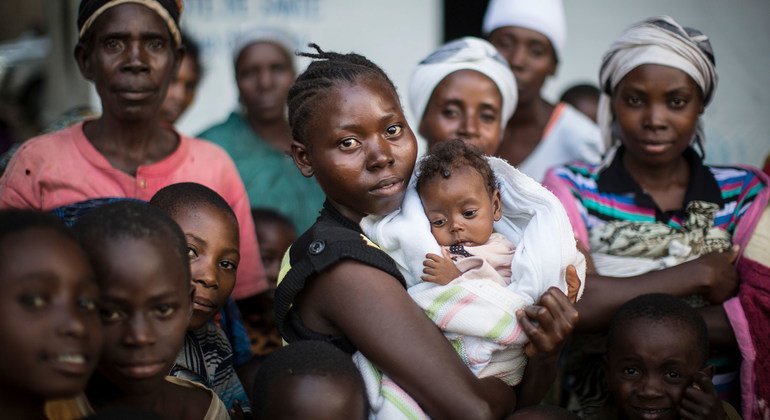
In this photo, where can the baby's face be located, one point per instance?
(274, 239)
(459, 208)
(650, 364)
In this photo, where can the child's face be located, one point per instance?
(360, 148)
(460, 209)
(466, 105)
(650, 364)
(318, 397)
(274, 240)
(212, 240)
(146, 308)
(48, 316)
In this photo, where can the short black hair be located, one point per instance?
(454, 154)
(319, 77)
(14, 221)
(266, 215)
(661, 308)
(579, 91)
(183, 196)
(301, 358)
(130, 220)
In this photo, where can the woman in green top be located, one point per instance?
(259, 138)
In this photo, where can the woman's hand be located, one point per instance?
(549, 322)
(717, 275)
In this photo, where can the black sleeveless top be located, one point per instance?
(332, 238)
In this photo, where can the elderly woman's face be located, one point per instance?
(466, 105)
(264, 73)
(656, 108)
(131, 58)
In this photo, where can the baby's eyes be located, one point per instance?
(469, 213)
(191, 253)
(438, 223)
(394, 130)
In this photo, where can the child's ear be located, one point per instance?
(301, 158)
(497, 205)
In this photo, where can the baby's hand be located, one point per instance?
(439, 270)
(700, 400)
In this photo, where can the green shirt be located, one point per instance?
(271, 178)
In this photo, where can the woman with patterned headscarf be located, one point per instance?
(652, 216)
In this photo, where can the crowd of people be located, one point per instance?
(300, 260)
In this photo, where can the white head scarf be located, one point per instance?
(251, 35)
(658, 40)
(544, 16)
(467, 53)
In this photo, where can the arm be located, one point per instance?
(720, 331)
(377, 315)
(712, 275)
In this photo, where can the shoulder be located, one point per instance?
(207, 148)
(51, 144)
(220, 132)
(734, 179)
(197, 401)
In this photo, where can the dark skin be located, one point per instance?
(264, 73)
(361, 139)
(532, 60)
(131, 58)
(657, 108)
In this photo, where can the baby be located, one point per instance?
(461, 199)
(657, 348)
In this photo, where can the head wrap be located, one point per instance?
(251, 35)
(658, 40)
(168, 10)
(544, 16)
(463, 54)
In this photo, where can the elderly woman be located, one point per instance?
(259, 138)
(463, 90)
(130, 50)
(531, 35)
(652, 216)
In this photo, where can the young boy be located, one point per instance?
(657, 346)
(309, 379)
(211, 233)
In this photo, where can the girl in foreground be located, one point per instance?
(350, 133)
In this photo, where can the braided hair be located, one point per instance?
(321, 75)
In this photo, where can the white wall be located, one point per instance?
(395, 34)
(738, 120)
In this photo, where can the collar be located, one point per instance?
(330, 211)
(702, 186)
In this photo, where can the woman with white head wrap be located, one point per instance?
(676, 217)
(258, 135)
(463, 90)
(531, 35)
